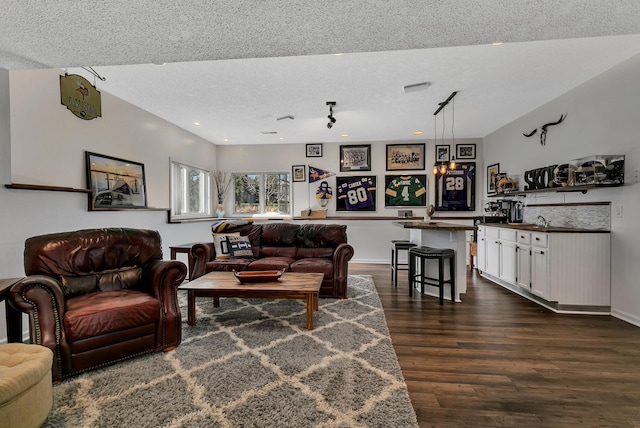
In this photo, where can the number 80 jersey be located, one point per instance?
(358, 193)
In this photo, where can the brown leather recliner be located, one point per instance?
(98, 296)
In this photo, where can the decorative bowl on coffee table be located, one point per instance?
(252, 276)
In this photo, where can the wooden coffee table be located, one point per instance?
(291, 285)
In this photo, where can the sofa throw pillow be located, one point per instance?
(221, 244)
(240, 247)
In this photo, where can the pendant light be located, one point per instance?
(442, 166)
(452, 164)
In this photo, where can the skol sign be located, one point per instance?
(540, 178)
(80, 96)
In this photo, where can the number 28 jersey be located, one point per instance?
(357, 194)
(456, 189)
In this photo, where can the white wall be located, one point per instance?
(602, 119)
(47, 147)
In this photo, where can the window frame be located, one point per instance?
(262, 203)
(178, 193)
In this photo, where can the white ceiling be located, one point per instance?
(236, 66)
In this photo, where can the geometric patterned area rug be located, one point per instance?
(253, 363)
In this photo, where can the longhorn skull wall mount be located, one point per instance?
(543, 130)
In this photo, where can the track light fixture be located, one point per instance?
(332, 119)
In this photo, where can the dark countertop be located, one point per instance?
(545, 229)
(432, 225)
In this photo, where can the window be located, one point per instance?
(190, 191)
(259, 193)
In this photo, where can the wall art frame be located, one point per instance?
(455, 190)
(314, 150)
(408, 190)
(116, 183)
(355, 158)
(298, 173)
(492, 171)
(404, 157)
(465, 151)
(443, 153)
(356, 193)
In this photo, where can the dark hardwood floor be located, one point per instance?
(496, 359)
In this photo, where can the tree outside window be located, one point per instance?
(259, 193)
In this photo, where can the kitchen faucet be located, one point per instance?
(543, 221)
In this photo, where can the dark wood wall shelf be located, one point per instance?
(572, 189)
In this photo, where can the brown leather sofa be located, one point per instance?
(98, 296)
(297, 248)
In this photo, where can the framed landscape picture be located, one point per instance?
(405, 157)
(357, 193)
(405, 190)
(465, 151)
(355, 158)
(116, 183)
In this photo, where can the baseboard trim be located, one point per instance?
(626, 317)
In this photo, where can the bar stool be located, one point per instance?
(418, 257)
(397, 246)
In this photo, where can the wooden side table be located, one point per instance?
(14, 317)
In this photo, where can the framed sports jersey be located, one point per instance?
(356, 193)
(405, 190)
(456, 189)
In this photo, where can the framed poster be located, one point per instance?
(492, 172)
(116, 183)
(357, 193)
(405, 157)
(314, 150)
(465, 151)
(405, 190)
(298, 173)
(442, 153)
(456, 188)
(355, 158)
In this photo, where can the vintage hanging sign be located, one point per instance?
(80, 96)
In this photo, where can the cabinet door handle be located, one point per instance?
(541, 252)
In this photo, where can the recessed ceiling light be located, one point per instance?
(225, 140)
(344, 135)
(196, 123)
(282, 138)
(417, 132)
(496, 44)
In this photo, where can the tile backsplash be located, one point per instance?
(580, 216)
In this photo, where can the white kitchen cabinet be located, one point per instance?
(481, 257)
(568, 270)
(507, 255)
(523, 260)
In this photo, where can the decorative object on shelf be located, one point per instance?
(314, 150)
(332, 119)
(543, 130)
(81, 97)
(356, 193)
(431, 209)
(443, 155)
(355, 158)
(465, 151)
(223, 183)
(405, 157)
(599, 170)
(405, 190)
(116, 183)
(324, 194)
(298, 173)
(539, 178)
(506, 184)
(492, 171)
(456, 188)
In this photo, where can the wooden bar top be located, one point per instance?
(432, 225)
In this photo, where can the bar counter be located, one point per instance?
(442, 235)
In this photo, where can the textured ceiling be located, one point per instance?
(236, 66)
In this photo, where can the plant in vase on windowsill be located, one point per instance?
(223, 183)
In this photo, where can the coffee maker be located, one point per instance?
(512, 209)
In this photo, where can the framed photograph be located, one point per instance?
(405, 190)
(442, 153)
(356, 193)
(456, 188)
(492, 172)
(465, 151)
(405, 157)
(355, 158)
(314, 150)
(116, 183)
(298, 173)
